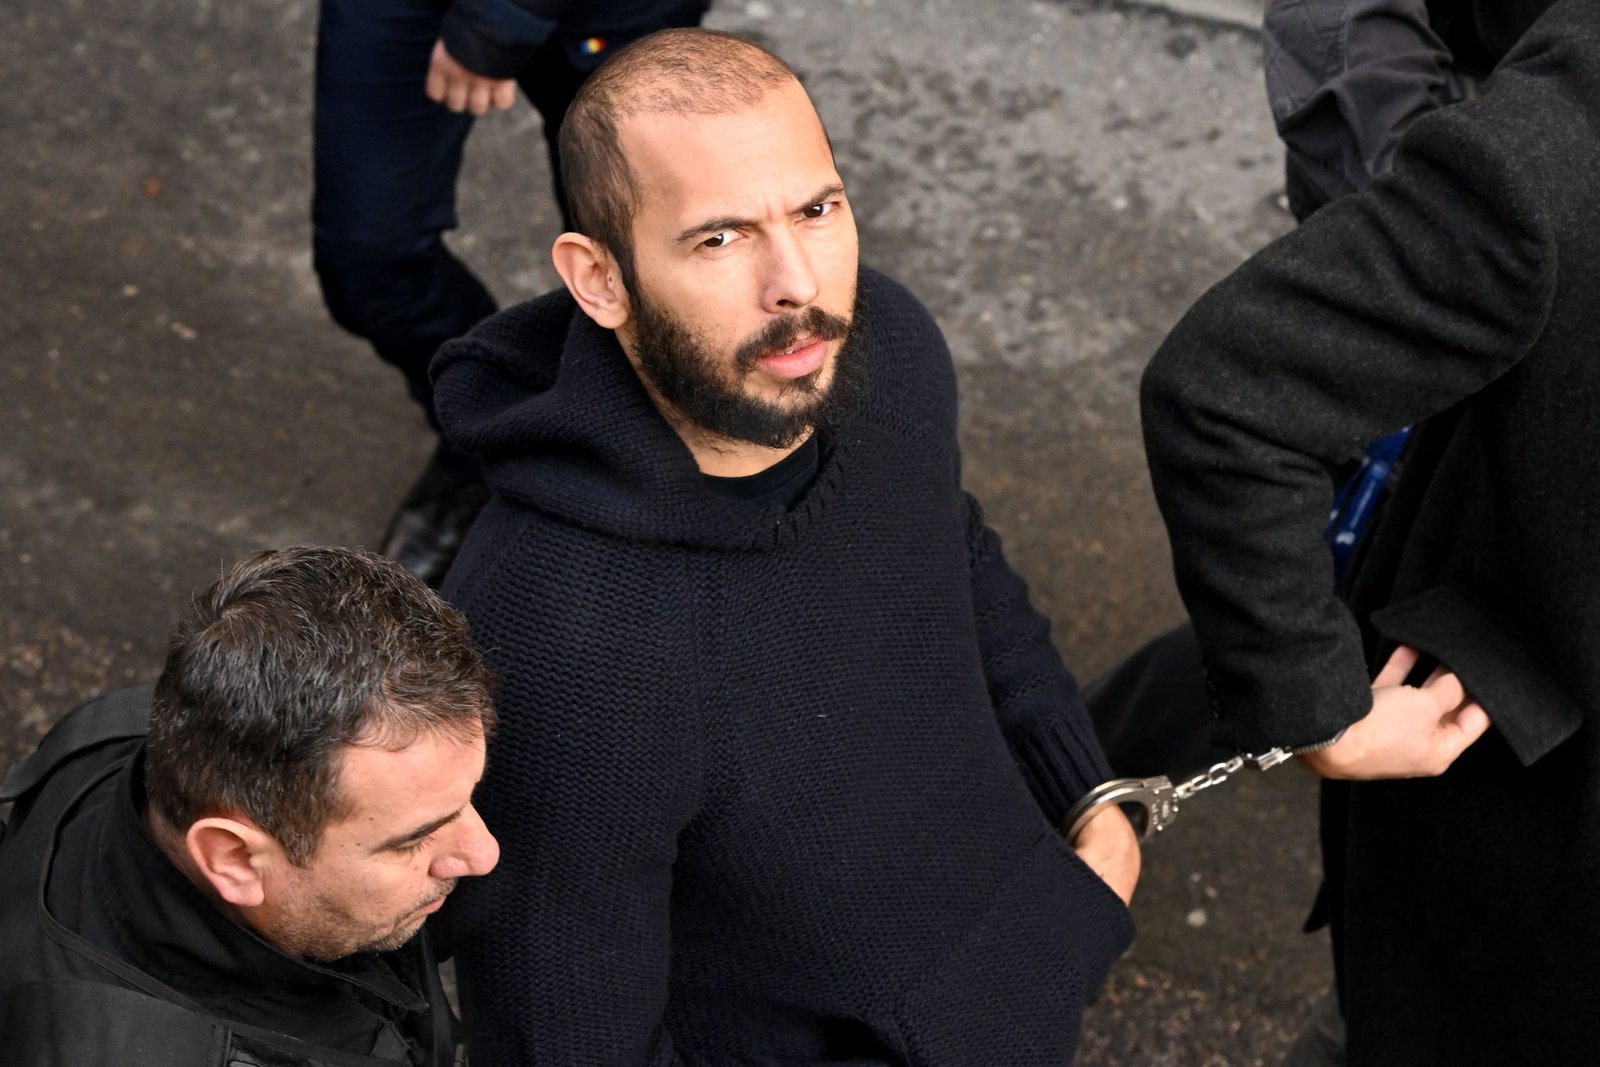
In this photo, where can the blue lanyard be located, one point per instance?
(1357, 500)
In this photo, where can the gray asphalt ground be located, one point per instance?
(1057, 180)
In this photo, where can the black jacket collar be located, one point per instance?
(111, 885)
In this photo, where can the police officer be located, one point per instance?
(398, 85)
(234, 870)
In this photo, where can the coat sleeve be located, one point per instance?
(1384, 308)
(496, 38)
(1036, 699)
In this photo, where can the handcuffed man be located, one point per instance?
(784, 749)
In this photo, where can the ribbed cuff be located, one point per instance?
(1061, 761)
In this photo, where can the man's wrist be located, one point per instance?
(1318, 746)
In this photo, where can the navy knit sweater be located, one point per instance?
(772, 785)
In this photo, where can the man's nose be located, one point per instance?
(791, 281)
(473, 851)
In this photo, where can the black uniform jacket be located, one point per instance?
(109, 955)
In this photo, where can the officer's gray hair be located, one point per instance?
(288, 659)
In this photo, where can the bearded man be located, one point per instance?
(784, 749)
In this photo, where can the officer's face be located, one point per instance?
(746, 256)
(378, 873)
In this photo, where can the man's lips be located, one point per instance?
(803, 357)
(437, 902)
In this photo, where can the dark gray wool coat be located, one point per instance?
(1463, 290)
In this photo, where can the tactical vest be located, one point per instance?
(66, 1003)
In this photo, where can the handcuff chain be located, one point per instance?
(1215, 774)
(1155, 800)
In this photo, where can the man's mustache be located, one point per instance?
(781, 333)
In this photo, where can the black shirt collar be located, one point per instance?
(163, 924)
(785, 482)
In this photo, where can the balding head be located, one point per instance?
(678, 71)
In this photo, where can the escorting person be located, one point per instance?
(784, 748)
(234, 870)
(398, 85)
(1345, 80)
(1458, 293)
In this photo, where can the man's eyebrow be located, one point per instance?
(827, 192)
(731, 222)
(413, 836)
(716, 225)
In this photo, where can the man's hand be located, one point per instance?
(1109, 846)
(457, 88)
(1411, 732)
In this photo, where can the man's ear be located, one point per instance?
(233, 855)
(592, 278)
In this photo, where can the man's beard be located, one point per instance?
(701, 387)
(316, 927)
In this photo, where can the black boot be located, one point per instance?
(426, 533)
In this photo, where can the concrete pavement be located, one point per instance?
(1057, 180)
(1242, 14)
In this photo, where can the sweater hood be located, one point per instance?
(547, 399)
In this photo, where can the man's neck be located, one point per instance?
(172, 844)
(165, 837)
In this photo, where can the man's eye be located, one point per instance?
(719, 240)
(816, 211)
(414, 847)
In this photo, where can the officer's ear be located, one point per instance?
(591, 275)
(233, 856)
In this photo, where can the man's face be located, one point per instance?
(746, 257)
(378, 873)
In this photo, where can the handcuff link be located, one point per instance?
(1151, 804)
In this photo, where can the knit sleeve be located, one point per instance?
(1041, 715)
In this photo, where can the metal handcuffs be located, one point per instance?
(1151, 804)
